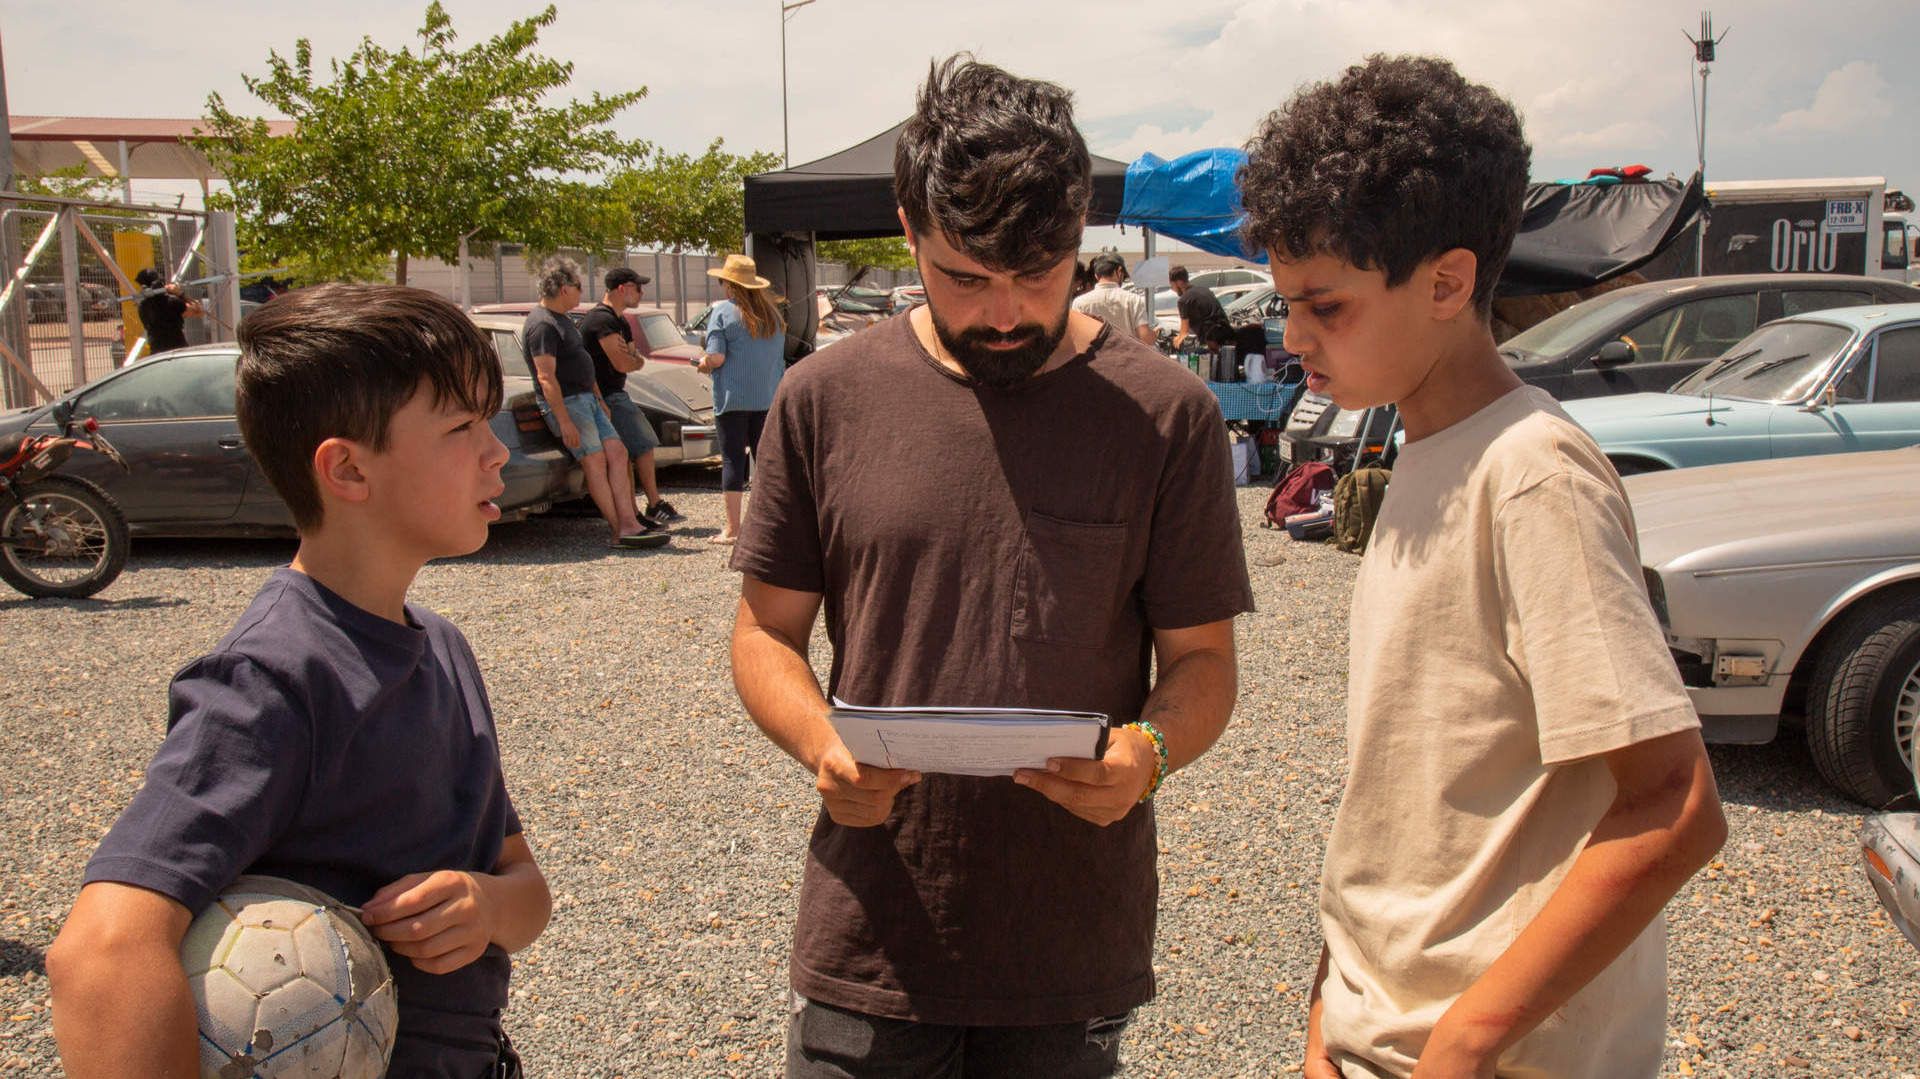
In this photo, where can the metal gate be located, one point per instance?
(67, 298)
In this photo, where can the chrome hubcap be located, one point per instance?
(1906, 716)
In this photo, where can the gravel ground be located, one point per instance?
(672, 832)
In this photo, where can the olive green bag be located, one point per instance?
(1356, 505)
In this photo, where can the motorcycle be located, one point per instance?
(59, 535)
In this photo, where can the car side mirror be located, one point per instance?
(1613, 354)
(1828, 397)
(62, 412)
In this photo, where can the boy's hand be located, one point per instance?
(858, 795)
(441, 920)
(569, 434)
(1101, 791)
(1319, 1063)
(1449, 1057)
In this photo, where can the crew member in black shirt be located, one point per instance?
(163, 312)
(1201, 316)
(609, 341)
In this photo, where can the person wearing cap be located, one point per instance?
(1125, 311)
(746, 346)
(609, 340)
(163, 312)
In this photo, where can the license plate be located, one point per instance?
(1287, 450)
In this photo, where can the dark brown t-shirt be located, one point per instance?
(990, 547)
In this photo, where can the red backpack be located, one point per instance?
(1298, 491)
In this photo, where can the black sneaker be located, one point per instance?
(663, 511)
(649, 523)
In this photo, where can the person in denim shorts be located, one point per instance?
(570, 400)
(609, 340)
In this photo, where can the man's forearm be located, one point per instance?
(132, 1014)
(1191, 703)
(550, 389)
(780, 692)
(1639, 855)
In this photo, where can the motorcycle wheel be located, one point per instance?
(63, 537)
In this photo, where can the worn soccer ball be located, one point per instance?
(288, 983)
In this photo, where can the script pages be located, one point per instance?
(967, 741)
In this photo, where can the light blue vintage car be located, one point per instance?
(1823, 382)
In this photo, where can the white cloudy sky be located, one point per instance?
(1800, 89)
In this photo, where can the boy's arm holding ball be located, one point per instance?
(446, 919)
(121, 1004)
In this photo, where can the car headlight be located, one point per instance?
(1657, 595)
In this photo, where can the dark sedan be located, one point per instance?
(172, 418)
(1645, 338)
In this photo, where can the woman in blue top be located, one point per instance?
(746, 354)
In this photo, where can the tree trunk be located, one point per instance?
(680, 286)
(400, 269)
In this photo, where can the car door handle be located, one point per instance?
(230, 442)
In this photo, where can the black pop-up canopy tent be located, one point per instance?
(849, 196)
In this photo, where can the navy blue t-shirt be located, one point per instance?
(325, 744)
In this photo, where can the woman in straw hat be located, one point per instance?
(746, 354)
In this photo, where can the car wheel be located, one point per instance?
(1864, 702)
(1632, 466)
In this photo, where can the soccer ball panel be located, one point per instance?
(227, 1010)
(312, 1013)
(262, 958)
(206, 940)
(323, 955)
(379, 1015)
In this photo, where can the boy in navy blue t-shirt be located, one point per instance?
(337, 736)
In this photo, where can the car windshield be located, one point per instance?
(1563, 331)
(1248, 301)
(660, 332)
(1779, 362)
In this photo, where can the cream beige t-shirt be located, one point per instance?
(1501, 640)
(1123, 310)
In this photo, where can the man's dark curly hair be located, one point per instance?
(994, 162)
(1398, 161)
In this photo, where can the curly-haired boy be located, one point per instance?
(1527, 783)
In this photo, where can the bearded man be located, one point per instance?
(1001, 503)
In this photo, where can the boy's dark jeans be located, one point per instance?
(432, 1059)
(825, 1042)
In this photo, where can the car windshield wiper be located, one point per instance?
(1721, 364)
(1762, 369)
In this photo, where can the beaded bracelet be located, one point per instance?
(1160, 751)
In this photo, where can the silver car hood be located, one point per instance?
(1785, 511)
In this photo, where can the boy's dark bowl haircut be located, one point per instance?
(337, 361)
(994, 162)
(1399, 160)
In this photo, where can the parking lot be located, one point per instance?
(672, 832)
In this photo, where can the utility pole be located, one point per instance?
(1704, 48)
(786, 12)
(6, 132)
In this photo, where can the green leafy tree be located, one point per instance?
(681, 202)
(686, 203)
(412, 152)
(878, 253)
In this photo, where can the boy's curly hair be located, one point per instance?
(1399, 160)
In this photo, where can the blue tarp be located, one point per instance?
(1571, 236)
(1191, 198)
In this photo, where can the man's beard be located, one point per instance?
(1001, 368)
